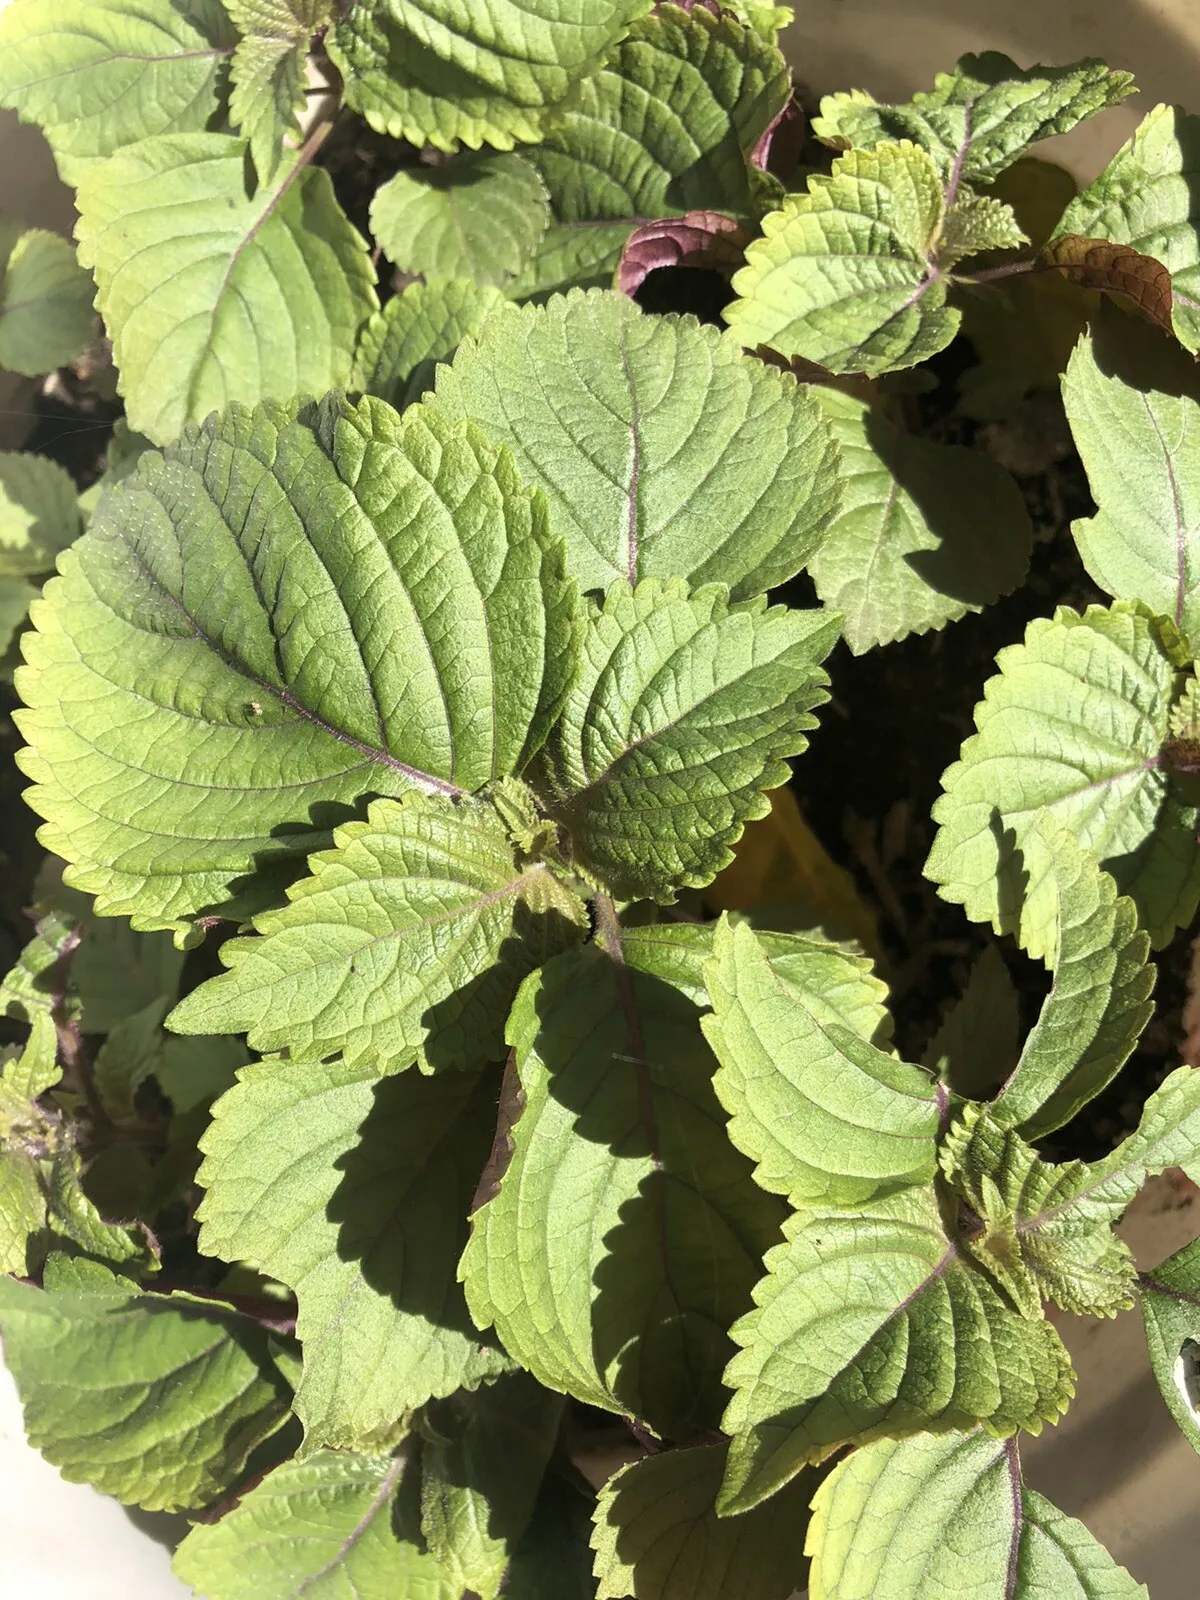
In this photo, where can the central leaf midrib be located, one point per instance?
(283, 694)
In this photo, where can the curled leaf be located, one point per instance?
(699, 239)
(1115, 269)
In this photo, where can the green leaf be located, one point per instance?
(658, 1536)
(77, 1222)
(553, 1561)
(358, 1515)
(875, 1323)
(619, 416)
(193, 1072)
(96, 75)
(828, 1118)
(353, 1190)
(1170, 1301)
(978, 119)
(939, 1514)
(1075, 722)
(480, 216)
(37, 984)
(25, 1144)
(298, 606)
(980, 1036)
(400, 346)
(408, 942)
(977, 222)
(125, 450)
(846, 275)
(1048, 1232)
(22, 1208)
(665, 127)
(156, 1399)
(926, 532)
(482, 1464)
(46, 316)
(766, 20)
(1019, 1227)
(1147, 198)
(128, 1057)
(440, 73)
(211, 296)
(39, 517)
(118, 973)
(267, 71)
(1168, 1135)
(626, 1232)
(1136, 424)
(682, 715)
(1100, 1001)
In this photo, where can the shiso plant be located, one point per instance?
(387, 1116)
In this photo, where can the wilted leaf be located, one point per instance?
(1114, 268)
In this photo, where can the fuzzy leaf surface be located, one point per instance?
(626, 1232)
(657, 1535)
(1140, 444)
(845, 274)
(1098, 1005)
(482, 1463)
(875, 1323)
(1074, 721)
(156, 1399)
(828, 1118)
(211, 296)
(1047, 1229)
(300, 606)
(1147, 198)
(682, 715)
(408, 942)
(666, 126)
(940, 1514)
(401, 345)
(664, 451)
(337, 1525)
(1170, 1302)
(442, 72)
(46, 316)
(480, 216)
(96, 75)
(267, 71)
(981, 117)
(926, 532)
(353, 1190)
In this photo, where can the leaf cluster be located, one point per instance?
(394, 1144)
